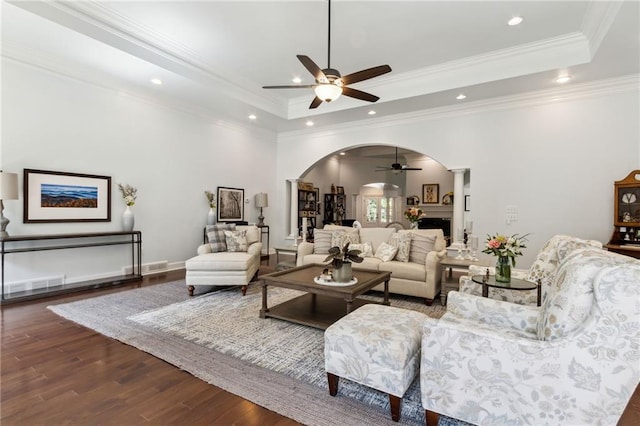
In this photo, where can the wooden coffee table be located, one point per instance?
(322, 305)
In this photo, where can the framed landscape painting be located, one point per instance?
(66, 197)
(230, 204)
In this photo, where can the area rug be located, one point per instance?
(219, 338)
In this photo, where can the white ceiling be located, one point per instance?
(215, 56)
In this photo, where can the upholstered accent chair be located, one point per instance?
(544, 268)
(222, 264)
(574, 360)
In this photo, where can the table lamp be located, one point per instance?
(8, 191)
(262, 200)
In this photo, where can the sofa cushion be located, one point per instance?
(420, 245)
(365, 249)
(236, 240)
(224, 261)
(339, 238)
(403, 243)
(369, 264)
(321, 241)
(386, 252)
(404, 270)
(375, 236)
(216, 237)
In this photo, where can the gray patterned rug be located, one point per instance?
(219, 338)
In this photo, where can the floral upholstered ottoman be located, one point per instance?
(377, 346)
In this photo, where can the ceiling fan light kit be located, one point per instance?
(329, 83)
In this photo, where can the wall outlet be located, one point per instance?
(511, 218)
(512, 210)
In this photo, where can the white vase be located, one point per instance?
(127, 220)
(413, 225)
(211, 216)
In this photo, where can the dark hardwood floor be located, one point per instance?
(55, 372)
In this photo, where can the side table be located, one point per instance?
(450, 281)
(514, 284)
(288, 250)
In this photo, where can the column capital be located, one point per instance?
(458, 170)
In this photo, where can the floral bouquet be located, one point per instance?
(413, 214)
(504, 246)
(211, 198)
(129, 194)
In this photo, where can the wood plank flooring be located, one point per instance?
(55, 372)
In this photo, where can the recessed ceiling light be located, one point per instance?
(309, 123)
(461, 96)
(296, 80)
(157, 81)
(343, 153)
(516, 20)
(252, 117)
(563, 79)
(372, 112)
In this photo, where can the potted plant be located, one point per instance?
(341, 260)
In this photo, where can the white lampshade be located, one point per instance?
(328, 92)
(8, 186)
(262, 200)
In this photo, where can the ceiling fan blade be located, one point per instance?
(359, 94)
(296, 86)
(411, 168)
(312, 67)
(315, 103)
(365, 74)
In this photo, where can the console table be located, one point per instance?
(33, 243)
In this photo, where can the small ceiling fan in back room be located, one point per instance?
(329, 83)
(396, 167)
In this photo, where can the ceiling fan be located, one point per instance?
(329, 83)
(396, 167)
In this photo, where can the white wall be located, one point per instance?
(553, 155)
(51, 122)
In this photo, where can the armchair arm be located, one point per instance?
(506, 315)
(304, 248)
(482, 375)
(255, 248)
(204, 249)
(432, 265)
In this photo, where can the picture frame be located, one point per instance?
(52, 196)
(230, 204)
(413, 200)
(430, 193)
(467, 203)
(340, 190)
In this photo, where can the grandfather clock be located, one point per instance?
(626, 222)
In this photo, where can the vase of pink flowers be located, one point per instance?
(506, 248)
(413, 214)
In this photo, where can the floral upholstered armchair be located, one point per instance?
(574, 360)
(544, 269)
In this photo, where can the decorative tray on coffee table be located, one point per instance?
(331, 282)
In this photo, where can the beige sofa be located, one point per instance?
(408, 278)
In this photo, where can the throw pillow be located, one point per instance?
(420, 246)
(321, 241)
(340, 238)
(217, 239)
(366, 250)
(403, 243)
(386, 252)
(236, 240)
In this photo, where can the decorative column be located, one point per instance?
(457, 224)
(293, 223)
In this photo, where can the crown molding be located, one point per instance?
(95, 20)
(597, 21)
(590, 90)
